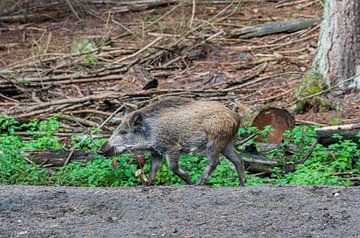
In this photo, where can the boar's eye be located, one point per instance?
(122, 132)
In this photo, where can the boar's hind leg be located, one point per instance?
(155, 163)
(213, 161)
(231, 155)
(173, 160)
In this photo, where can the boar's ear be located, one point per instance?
(127, 111)
(135, 119)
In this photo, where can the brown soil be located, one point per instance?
(186, 211)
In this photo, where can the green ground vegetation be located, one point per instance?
(318, 169)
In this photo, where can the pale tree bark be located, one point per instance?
(338, 55)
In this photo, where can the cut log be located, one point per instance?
(348, 132)
(273, 28)
(279, 119)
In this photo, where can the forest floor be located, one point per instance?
(205, 62)
(184, 211)
(275, 64)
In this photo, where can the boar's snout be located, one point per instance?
(106, 150)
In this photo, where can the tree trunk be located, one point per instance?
(338, 55)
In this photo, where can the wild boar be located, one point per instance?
(177, 125)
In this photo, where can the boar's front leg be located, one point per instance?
(155, 163)
(173, 161)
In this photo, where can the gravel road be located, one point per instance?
(184, 211)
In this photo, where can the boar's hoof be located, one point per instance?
(242, 182)
(108, 153)
(200, 183)
(150, 183)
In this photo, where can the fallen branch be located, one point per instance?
(325, 135)
(58, 134)
(71, 100)
(58, 158)
(272, 28)
(259, 163)
(309, 152)
(344, 173)
(36, 17)
(44, 10)
(76, 119)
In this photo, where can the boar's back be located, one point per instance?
(166, 104)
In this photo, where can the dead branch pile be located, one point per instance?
(40, 10)
(93, 79)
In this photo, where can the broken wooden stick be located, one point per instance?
(273, 28)
(325, 135)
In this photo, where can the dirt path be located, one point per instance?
(260, 211)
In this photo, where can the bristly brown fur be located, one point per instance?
(166, 104)
(178, 125)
